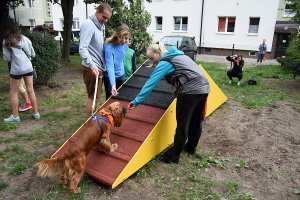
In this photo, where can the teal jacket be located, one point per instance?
(162, 69)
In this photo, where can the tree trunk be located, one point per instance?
(67, 9)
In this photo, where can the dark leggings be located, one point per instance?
(119, 81)
(232, 73)
(189, 116)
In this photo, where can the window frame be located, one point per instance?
(77, 24)
(288, 12)
(254, 33)
(156, 23)
(226, 24)
(32, 22)
(181, 23)
(30, 3)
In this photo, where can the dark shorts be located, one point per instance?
(90, 81)
(20, 76)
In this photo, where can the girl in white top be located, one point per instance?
(18, 51)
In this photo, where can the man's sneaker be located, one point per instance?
(230, 81)
(25, 106)
(36, 116)
(12, 119)
(239, 83)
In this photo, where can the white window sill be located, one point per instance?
(225, 33)
(176, 31)
(158, 31)
(252, 34)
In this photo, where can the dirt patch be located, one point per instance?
(267, 139)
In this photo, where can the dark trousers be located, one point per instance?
(189, 116)
(119, 81)
(232, 73)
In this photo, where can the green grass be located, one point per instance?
(265, 93)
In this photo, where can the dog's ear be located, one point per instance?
(118, 116)
(117, 111)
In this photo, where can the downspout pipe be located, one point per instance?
(202, 9)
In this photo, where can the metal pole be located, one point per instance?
(202, 9)
(231, 54)
(86, 11)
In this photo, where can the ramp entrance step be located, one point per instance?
(145, 132)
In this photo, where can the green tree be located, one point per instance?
(67, 9)
(47, 59)
(293, 51)
(295, 6)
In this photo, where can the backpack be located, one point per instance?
(252, 82)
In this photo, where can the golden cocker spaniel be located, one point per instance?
(71, 165)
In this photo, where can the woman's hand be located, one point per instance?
(131, 106)
(114, 91)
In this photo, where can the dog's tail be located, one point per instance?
(50, 167)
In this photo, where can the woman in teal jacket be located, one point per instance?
(192, 89)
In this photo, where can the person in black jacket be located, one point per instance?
(237, 69)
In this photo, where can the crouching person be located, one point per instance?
(237, 69)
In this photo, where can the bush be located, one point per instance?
(292, 60)
(47, 59)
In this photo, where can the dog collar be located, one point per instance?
(108, 116)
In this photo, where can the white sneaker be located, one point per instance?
(12, 119)
(239, 83)
(230, 81)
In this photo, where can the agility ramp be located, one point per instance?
(146, 130)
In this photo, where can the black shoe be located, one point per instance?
(168, 160)
(169, 157)
(190, 151)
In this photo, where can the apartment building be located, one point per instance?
(217, 25)
(33, 13)
(284, 27)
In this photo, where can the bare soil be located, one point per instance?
(268, 139)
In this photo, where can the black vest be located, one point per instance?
(188, 77)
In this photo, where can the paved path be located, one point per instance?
(249, 62)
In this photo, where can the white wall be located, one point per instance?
(79, 12)
(24, 13)
(242, 10)
(170, 8)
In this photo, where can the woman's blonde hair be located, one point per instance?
(119, 33)
(158, 47)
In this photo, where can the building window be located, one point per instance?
(32, 22)
(76, 2)
(288, 12)
(30, 4)
(159, 21)
(61, 23)
(48, 9)
(252, 53)
(226, 24)
(75, 25)
(180, 23)
(253, 25)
